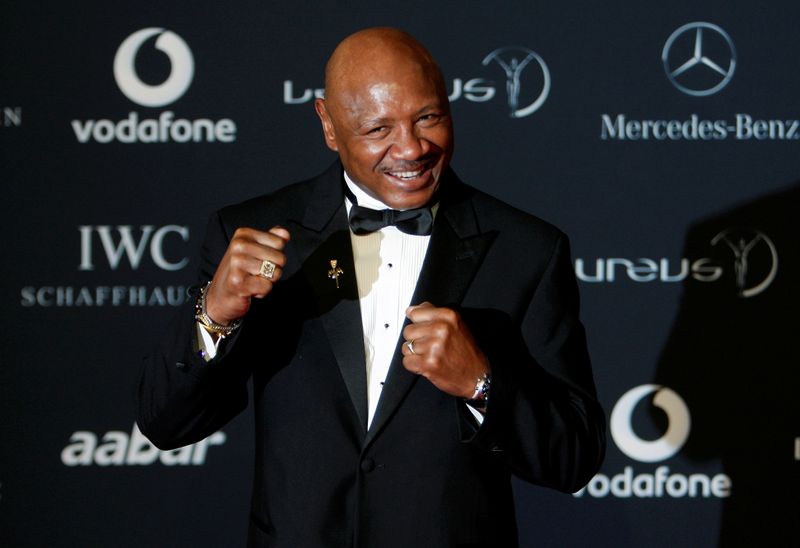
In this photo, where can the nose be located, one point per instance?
(409, 144)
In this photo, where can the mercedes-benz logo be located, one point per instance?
(706, 71)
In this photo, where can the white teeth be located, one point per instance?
(406, 174)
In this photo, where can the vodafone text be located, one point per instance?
(164, 129)
(660, 483)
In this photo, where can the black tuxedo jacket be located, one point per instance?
(424, 474)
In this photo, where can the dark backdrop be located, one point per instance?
(662, 137)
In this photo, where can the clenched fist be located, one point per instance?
(444, 351)
(238, 280)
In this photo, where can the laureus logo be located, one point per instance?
(744, 244)
(513, 60)
(181, 68)
(755, 264)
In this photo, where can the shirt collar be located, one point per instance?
(365, 200)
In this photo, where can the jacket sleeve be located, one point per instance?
(544, 420)
(181, 397)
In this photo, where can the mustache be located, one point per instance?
(413, 165)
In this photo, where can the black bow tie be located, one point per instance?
(363, 220)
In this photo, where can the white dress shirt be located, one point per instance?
(388, 263)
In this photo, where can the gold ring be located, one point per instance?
(267, 269)
(411, 346)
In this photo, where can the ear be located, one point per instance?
(327, 124)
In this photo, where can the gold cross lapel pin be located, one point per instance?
(335, 272)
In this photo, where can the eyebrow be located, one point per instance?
(380, 121)
(373, 122)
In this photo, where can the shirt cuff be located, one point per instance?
(208, 346)
(475, 413)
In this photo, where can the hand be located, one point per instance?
(444, 351)
(237, 278)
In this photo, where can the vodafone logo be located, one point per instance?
(160, 127)
(667, 445)
(661, 482)
(176, 84)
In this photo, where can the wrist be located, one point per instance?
(212, 300)
(202, 317)
(480, 396)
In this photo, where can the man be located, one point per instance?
(380, 424)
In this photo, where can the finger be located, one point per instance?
(417, 332)
(241, 284)
(247, 264)
(256, 286)
(429, 313)
(273, 276)
(414, 364)
(280, 232)
(249, 250)
(424, 312)
(268, 239)
(413, 347)
(424, 304)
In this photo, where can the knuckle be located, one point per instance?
(277, 242)
(243, 233)
(237, 262)
(237, 246)
(449, 315)
(235, 280)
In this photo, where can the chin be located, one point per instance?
(411, 200)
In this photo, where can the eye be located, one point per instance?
(428, 119)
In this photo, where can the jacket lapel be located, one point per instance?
(321, 236)
(455, 252)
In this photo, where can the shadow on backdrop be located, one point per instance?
(734, 356)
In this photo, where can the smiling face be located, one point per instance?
(387, 115)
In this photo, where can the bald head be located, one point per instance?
(387, 115)
(378, 53)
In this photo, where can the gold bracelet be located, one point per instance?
(205, 320)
